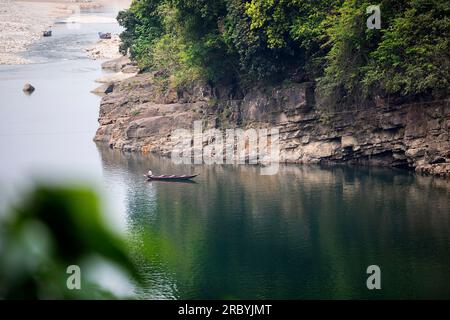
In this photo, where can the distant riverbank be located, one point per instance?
(22, 22)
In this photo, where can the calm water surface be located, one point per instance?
(307, 232)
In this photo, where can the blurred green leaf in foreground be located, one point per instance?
(51, 229)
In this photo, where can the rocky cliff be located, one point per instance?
(139, 116)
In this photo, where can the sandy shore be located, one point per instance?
(105, 49)
(22, 23)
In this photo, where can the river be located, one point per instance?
(306, 232)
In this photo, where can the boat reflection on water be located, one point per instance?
(307, 232)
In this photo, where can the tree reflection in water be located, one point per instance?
(307, 232)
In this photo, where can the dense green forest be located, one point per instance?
(268, 41)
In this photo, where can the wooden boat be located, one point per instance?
(104, 35)
(47, 33)
(183, 177)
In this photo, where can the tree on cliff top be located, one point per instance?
(243, 41)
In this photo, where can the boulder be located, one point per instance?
(28, 88)
(130, 69)
(116, 64)
(104, 89)
(114, 77)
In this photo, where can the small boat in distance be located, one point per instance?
(170, 177)
(103, 35)
(47, 33)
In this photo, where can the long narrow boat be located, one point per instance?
(171, 177)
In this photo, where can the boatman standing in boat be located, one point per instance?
(150, 173)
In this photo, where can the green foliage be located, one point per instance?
(143, 26)
(284, 22)
(413, 56)
(256, 58)
(171, 54)
(243, 41)
(52, 229)
(408, 56)
(349, 43)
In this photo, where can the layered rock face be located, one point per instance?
(139, 116)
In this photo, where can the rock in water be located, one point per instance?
(109, 88)
(104, 89)
(28, 88)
